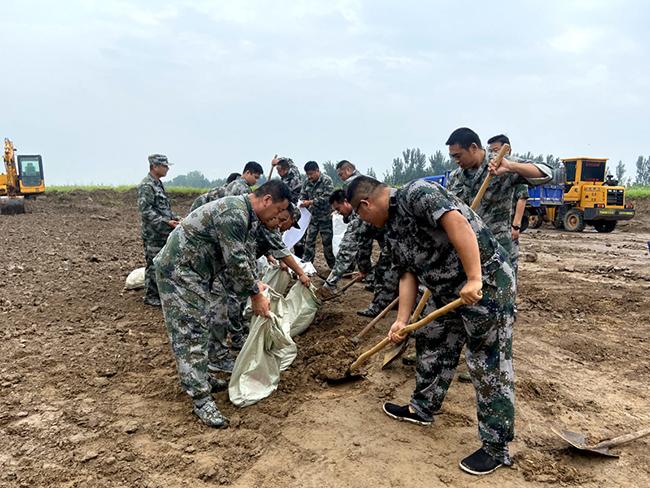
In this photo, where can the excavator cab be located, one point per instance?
(30, 174)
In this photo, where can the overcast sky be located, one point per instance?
(96, 86)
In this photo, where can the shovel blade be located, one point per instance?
(579, 442)
(394, 353)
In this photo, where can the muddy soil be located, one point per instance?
(89, 395)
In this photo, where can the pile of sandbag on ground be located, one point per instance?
(269, 348)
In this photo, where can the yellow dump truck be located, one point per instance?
(23, 178)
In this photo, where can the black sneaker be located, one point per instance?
(409, 359)
(368, 312)
(207, 411)
(404, 413)
(154, 302)
(217, 384)
(480, 463)
(224, 365)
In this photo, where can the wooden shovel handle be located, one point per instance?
(272, 168)
(406, 330)
(486, 182)
(339, 293)
(374, 321)
(617, 441)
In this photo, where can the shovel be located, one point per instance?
(399, 349)
(578, 441)
(357, 338)
(408, 329)
(325, 298)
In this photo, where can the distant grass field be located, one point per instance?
(638, 192)
(170, 189)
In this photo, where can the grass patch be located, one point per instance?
(638, 191)
(121, 188)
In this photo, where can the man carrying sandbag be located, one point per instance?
(211, 244)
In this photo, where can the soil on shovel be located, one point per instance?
(330, 359)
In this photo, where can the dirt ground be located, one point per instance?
(89, 396)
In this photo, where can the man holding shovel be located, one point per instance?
(438, 241)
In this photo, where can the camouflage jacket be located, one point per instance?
(293, 179)
(520, 193)
(270, 242)
(496, 206)
(238, 187)
(155, 210)
(347, 182)
(319, 192)
(212, 242)
(419, 245)
(212, 195)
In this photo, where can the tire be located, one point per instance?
(535, 221)
(605, 225)
(574, 221)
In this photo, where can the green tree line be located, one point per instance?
(414, 164)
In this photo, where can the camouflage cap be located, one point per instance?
(159, 159)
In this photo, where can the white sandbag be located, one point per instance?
(292, 236)
(135, 280)
(268, 350)
(263, 266)
(306, 266)
(338, 227)
(277, 279)
(302, 305)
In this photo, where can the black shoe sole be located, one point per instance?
(405, 419)
(477, 473)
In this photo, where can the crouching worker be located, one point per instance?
(438, 241)
(212, 243)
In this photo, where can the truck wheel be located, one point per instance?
(535, 221)
(574, 221)
(605, 225)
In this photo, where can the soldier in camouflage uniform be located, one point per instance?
(158, 221)
(385, 278)
(290, 175)
(247, 180)
(315, 194)
(439, 242)
(519, 207)
(496, 205)
(214, 194)
(211, 244)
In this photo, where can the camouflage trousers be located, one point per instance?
(386, 281)
(151, 249)
(185, 319)
(486, 330)
(514, 256)
(225, 316)
(347, 254)
(324, 227)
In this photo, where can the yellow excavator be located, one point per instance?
(23, 178)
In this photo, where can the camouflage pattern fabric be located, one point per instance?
(421, 246)
(238, 187)
(496, 205)
(293, 179)
(321, 218)
(155, 211)
(209, 245)
(521, 193)
(214, 194)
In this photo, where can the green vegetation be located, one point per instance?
(120, 188)
(638, 192)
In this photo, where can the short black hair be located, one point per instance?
(344, 162)
(464, 137)
(278, 190)
(232, 177)
(361, 188)
(285, 163)
(338, 196)
(502, 138)
(311, 166)
(253, 168)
